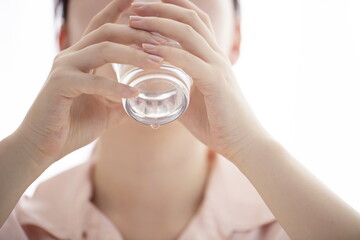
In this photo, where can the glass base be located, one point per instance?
(164, 95)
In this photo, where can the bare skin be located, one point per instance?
(121, 150)
(218, 118)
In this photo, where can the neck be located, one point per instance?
(154, 179)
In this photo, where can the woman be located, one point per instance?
(179, 182)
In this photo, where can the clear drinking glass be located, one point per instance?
(164, 93)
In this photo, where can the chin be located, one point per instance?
(132, 126)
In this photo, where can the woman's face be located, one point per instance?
(221, 13)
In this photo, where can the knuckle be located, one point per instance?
(62, 58)
(192, 15)
(107, 30)
(94, 21)
(93, 79)
(104, 47)
(94, 82)
(100, 51)
(203, 15)
(58, 58)
(56, 74)
(113, 85)
(206, 19)
(57, 79)
(188, 30)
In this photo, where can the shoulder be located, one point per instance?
(53, 208)
(240, 210)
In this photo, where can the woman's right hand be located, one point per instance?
(75, 106)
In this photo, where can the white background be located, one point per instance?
(299, 69)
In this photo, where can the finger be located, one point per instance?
(117, 33)
(191, 64)
(189, 39)
(99, 54)
(109, 14)
(177, 13)
(82, 83)
(190, 5)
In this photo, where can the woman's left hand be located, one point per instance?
(218, 114)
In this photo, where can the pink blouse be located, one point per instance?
(61, 209)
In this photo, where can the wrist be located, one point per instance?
(255, 152)
(28, 151)
(17, 171)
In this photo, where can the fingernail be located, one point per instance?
(173, 44)
(149, 47)
(155, 58)
(159, 38)
(135, 18)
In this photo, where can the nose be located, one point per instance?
(124, 18)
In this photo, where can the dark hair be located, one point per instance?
(64, 4)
